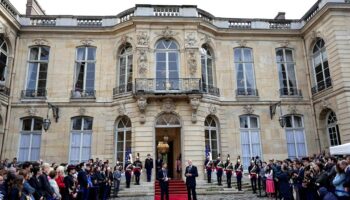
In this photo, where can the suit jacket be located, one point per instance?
(160, 177)
(45, 186)
(82, 179)
(191, 180)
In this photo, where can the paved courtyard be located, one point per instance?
(204, 197)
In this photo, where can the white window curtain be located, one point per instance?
(29, 147)
(80, 147)
(295, 137)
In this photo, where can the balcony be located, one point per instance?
(122, 89)
(209, 89)
(34, 94)
(291, 92)
(249, 92)
(321, 86)
(167, 86)
(83, 94)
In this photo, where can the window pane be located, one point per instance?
(77, 123)
(238, 56)
(81, 53)
(279, 55)
(38, 124)
(26, 124)
(247, 55)
(128, 136)
(87, 123)
(44, 55)
(91, 53)
(298, 122)
(213, 135)
(254, 122)
(243, 122)
(32, 76)
(34, 53)
(289, 55)
(288, 121)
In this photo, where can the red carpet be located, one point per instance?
(177, 190)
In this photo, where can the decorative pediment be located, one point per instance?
(325, 104)
(124, 39)
(292, 109)
(206, 39)
(142, 39)
(122, 110)
(32, 111)
(316, 34)
(82, 111)
(284, 43)
(41, 41)
(242, 43)
(87, 42)
(248, 109)
(167, 33)
(212, 109)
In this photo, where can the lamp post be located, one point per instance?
(55, 114)
(281, 119)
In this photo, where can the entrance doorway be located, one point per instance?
(168, 126)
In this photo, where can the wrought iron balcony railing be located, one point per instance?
(4, 90)
(247, 92)
(30, 94)
(209, 89)
(321, 86)
(122, 89)
(290, 92)
(83, 94)
(159, 85)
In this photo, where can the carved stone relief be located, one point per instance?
(40, 41)
(122, 110)
(32, 111)
(248, 109)
(190, 40)
(142, 63)
(168, 105)
(292, 109)
(142, 104)
(192, 61)
(212, 109)
(87, 42)
(194, 104)
(167, 33)
(82, 111)
(242, 43)
(142, 39)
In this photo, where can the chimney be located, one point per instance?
(281, 16)
(33, 8)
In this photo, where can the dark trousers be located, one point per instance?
(209, 176)
(239, 183)
(192, 190)
(228, 180)
(219, 176)
(116, 187)
(137, 178)
(128, 179)
(149, 175)
(164, 190)
(83, 194)
(93, 193)
(253, 183)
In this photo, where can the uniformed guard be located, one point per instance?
(128, 171)
(229, 170)
(219, 169)
(253, 174)
(209, 164)
(137, 165)
(239, 173)
(149, 167)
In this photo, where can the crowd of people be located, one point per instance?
(92, 180)
(310, 178)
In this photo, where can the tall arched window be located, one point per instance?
(122, 139)
(211, 135)
(207, 69)
(37, 71)
(3, 60)
(250, 138)
(81, 135)
(167, 65)
(30, 139)
(295, 137)
(84, 77)
(245, 72)
(333, 129)
(125, 69)
(322, 77)
(286, 72)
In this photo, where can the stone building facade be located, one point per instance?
(114, 85)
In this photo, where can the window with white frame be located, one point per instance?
(295, 136)
(122, 139)
(207, 69)
(250, 138)
(286, 72)
(245, 72)
(125, 69)
(211, 135)
(37, 71)
(3, 60)
(81, 136)
(30, 139)
(333, 129)
(167, 65)
(84, 77)
(322, 77)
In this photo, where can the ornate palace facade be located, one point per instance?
(108, 85)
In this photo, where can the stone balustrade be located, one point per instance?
(147, 10)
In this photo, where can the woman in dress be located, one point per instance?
(270, 186)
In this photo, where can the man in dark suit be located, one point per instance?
(163, 179)
(191, 173)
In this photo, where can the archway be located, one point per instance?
(168, 125)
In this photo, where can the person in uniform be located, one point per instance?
(128, 171)
(209, 168)
(229, 170)
(239, 173)
(219, 170)
(253, 174)
(149, 167)
(137, 165)
(70, 183)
